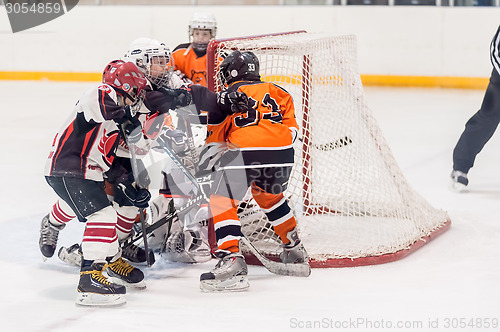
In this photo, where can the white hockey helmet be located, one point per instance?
(153, 58)
(203, 20)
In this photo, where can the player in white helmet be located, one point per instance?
(154, 58)
(190, 58)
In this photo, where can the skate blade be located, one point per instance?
(93, 299)
(138, 285)
(235, 284)
(188, 256)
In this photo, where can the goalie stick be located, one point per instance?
(182, 167)
(285, 269)
(184, 114)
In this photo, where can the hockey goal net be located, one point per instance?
(351, 200)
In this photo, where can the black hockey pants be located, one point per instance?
(479, 128)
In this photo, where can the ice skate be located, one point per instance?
(48, 237)
(136, 254)
(125, 274)
(229, 275)
(71, 255)
(458, 181)
(294, 252)
(95, 290)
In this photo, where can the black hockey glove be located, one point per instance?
(130, 126)
(127, 194)
(233, 102)
(181, 97)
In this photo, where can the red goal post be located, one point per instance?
(352, 203)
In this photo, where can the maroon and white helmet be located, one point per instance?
(126, 78)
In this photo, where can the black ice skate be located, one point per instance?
(48, 237)
(229, 275)
(136, 254)
(95, 289)
(125, 274)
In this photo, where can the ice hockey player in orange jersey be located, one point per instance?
(190, 59)
(257, 153)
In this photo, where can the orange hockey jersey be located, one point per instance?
(266, 132)
(189, 63)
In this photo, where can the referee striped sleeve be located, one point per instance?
(495, 51)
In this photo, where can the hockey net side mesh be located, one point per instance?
(351, 200)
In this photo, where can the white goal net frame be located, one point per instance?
(352, 203)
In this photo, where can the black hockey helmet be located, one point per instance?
(240, 66)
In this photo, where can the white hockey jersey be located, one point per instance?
(86, 144)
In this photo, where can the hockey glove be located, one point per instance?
(130, 126)
(128, 194)
(234, 102)
(181, 97)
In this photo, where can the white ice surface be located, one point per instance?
(455, 276)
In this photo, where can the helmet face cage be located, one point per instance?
(159, 65)
(155, 61)
(239, 66)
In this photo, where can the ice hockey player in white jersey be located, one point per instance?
(83, 151)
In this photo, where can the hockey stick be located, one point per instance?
(285, 269)
(182, 167)
(167, 218)
(142, 213)
(184, 114)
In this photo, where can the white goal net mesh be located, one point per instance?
(349, 196)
